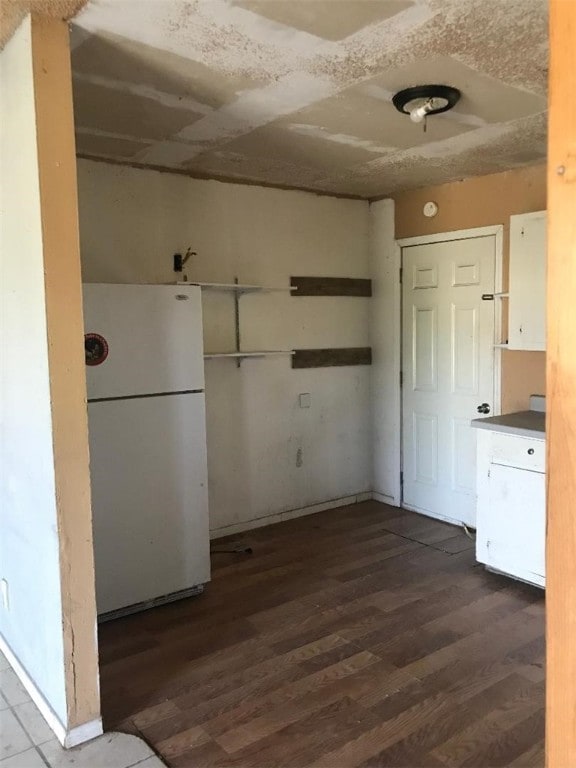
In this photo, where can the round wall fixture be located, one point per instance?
(423, 100)
(430, 209)
(95, 349)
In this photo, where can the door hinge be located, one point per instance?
(401, 273)
(401, 479)
(401, 379)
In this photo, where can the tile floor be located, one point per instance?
(27, 742)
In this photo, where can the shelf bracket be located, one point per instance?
(237, 321)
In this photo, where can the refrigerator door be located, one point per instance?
(149, 498)
(142, 339)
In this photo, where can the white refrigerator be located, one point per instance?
(146, 413)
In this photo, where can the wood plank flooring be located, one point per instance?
(362, 636)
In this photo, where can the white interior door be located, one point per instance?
(448, 371)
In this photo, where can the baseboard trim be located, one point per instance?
(384, 499)
(434, 516)
(71, 738)
(128, 610)
(83, 733)
(291, 514)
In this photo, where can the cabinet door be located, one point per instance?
(513, 533)
(527, 318)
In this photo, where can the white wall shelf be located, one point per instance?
(233, 287)
(263, 353)
(238, 287)
(502, 295)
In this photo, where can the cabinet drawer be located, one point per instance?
(515, 451)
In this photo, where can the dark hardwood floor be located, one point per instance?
(362, 636)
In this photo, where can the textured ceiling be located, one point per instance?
(297, 92)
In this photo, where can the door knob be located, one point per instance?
(484, 408)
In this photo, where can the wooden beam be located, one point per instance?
(561, 392)
(64, 323)
(326, 358)
(331, 286)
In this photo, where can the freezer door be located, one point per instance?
(149, 498)
(142, 339)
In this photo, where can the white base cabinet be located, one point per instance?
(511, 511)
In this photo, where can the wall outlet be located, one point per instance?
(305, 400)
(4, 594)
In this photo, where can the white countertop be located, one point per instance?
(526, 423)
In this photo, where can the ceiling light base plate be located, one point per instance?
(438, 98)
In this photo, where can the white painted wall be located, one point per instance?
(29, 551)
(385, 341)
(132, 221)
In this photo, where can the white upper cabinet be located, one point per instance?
(527, 313)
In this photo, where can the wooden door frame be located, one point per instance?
(561, 393)
(497, 231)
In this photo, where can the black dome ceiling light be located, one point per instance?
(423, 100)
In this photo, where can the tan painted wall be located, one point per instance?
(479, 202)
